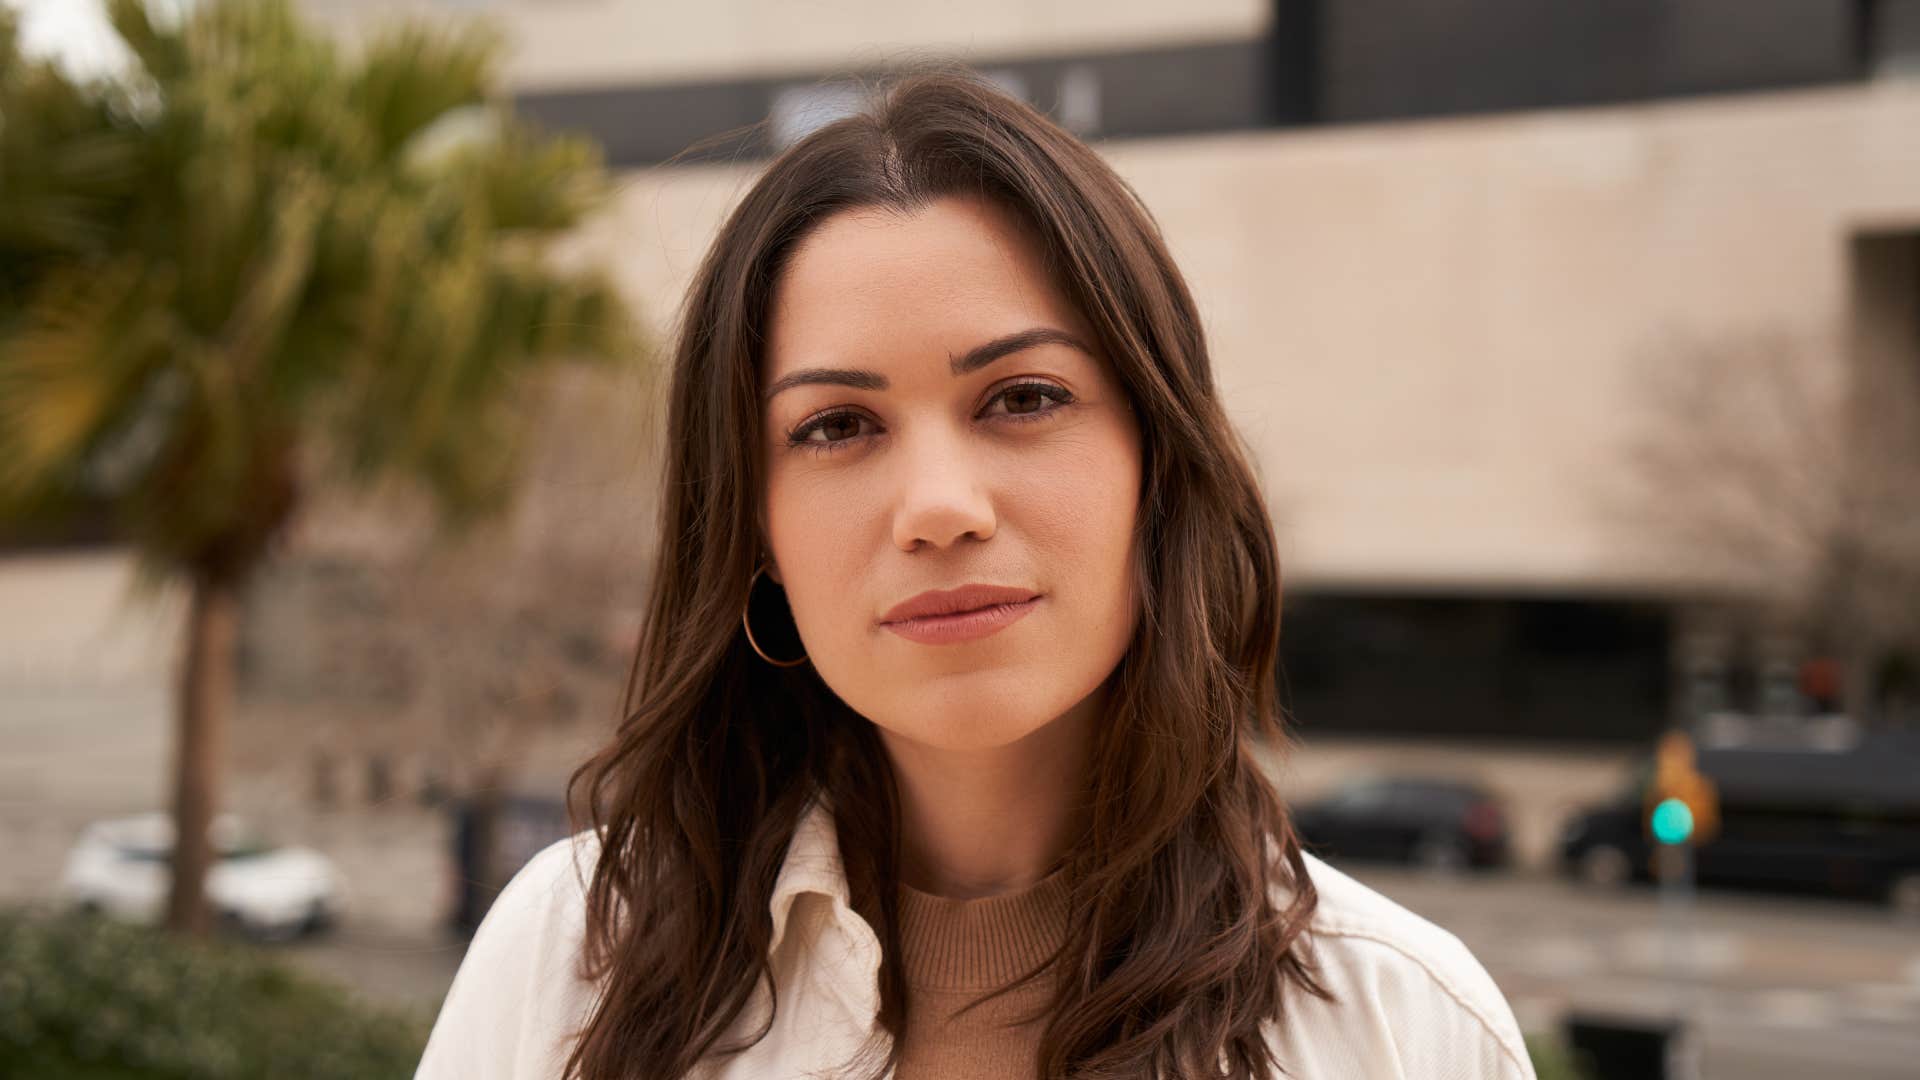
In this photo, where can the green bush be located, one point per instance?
(84, 998)
(1551, 1061)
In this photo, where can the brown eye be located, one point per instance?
(835, 428)
(1024, 399)
(1029, 401)
(829, 432)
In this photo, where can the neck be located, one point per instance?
(984, 822)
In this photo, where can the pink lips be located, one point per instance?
(941, 617)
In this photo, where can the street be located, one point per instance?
(1785, 986)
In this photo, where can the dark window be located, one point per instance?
(1556, 669)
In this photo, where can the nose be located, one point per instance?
(941, 500)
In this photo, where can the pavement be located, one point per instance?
(1777, 986)
(1781, 987)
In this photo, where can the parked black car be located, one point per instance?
(1436, 823)
(1841, 822)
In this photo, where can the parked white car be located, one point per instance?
(122, 867)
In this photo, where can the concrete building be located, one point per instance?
(1443, 251)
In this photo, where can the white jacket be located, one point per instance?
(1410, 1002)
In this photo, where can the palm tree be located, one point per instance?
(254, 264)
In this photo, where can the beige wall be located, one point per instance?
(80, 622)
(561, 43)
(1432, 333)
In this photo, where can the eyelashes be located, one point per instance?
(1052, 399)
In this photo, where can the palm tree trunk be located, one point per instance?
(205, 698)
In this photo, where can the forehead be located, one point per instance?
(872, 283)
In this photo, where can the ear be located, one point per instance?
(766, 559)
(766, 550)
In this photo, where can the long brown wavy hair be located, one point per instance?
(1179, 953)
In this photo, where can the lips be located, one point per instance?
(937, 602)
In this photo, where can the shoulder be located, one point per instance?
(1409, 998)
(518, 997)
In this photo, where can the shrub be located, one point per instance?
(1551, 1061)
(85, 998)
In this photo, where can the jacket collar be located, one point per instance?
(825, 965)
(843, 941)
(813, 865)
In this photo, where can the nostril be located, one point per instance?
(943, 525)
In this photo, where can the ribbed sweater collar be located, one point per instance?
(982, 943)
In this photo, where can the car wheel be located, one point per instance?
(318, 923)
(1903, 894)
(1441, 854)
(1605, 866)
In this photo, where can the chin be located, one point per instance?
(967, 731)
(978, 710)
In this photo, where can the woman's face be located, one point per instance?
(936, 418)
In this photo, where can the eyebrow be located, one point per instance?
(968, 362)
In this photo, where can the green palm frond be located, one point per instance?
(68, 381)
(161, 53)
(524, 179)
(283, 255)
(413, 77)
(64, 171)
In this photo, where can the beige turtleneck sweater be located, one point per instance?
(953, 951)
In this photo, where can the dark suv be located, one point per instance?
(1840, 822)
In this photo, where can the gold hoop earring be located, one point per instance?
(748, 627)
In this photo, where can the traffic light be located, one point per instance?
(1672, 822)
(1682, 805)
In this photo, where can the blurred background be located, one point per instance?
(1578, 346)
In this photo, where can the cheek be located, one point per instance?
(1081, 514)
(821, 532)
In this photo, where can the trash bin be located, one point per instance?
(1618, 1047)
(525, 825)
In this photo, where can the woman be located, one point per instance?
(942, 405)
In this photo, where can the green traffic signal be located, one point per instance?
(1672, 822)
